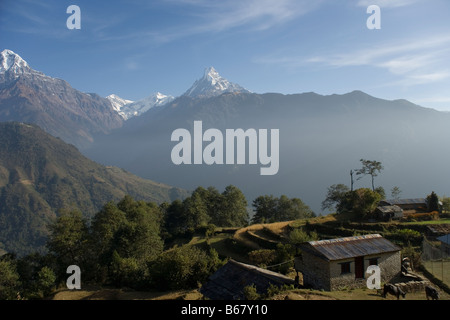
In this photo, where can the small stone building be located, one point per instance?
(417, 205)
(387, 213)
(229, 282)
(342, 263)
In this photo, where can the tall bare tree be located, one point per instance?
(370, 167)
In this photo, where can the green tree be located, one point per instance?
(139, 236)
(232, 211)
(105, 224)
(292, 209)
(298, 236)
(183, 268)
(364, 201)
(124, 237)
(129, 272)
(68, 240)
(433, 202)
(195, 210)
(213, 199)
(381, 192)
(370, 167)
(265, 208)
(104, 229)
(9, 278)
(173, 223)
(271, 209)
(29, 267)
(336, 194)
(46, 281)
(284, 256)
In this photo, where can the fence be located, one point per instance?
(436, 258)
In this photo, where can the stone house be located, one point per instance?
(229, 282)
(417, 205)
(387, 213)
(342, 263)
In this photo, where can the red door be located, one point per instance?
(359, 267)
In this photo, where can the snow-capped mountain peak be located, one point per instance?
(212, 75)
(128, 109)
(10, 61)
(118, 103)
(212, 84)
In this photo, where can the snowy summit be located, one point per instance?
(128, 109)
(211, 85)
(12, 63)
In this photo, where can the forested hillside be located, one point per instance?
(41, 175)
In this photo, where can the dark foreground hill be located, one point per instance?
(41, 174)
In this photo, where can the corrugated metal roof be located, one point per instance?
(229, 281)
(389, 209)
(350, 247)
(406, 201)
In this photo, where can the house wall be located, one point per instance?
(322, 274)
(389, 263)
(315, 271)
(340, 281)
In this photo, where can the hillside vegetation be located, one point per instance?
(41, 174)
(244, 243)
(170, 249)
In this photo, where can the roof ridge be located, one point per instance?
(345, 239)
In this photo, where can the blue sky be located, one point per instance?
(135, 48)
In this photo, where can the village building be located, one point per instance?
(387, 213)
(342, 263)
(416, 205)
(229, 281)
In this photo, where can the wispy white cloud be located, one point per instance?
(216, 16)
(212, 16)
(387, 3)
(416, 61)
(412, 53)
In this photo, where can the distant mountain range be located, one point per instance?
(322, 138)
(41, 174)
(212, 84)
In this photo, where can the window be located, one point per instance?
(373, 262)
(345, 267)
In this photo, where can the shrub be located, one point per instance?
(183, 268)
(46, 281)
(262, 257)
(250, 293)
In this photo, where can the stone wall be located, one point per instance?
(390, 266)
(315, 271)
(322, 274)
(389, 263)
